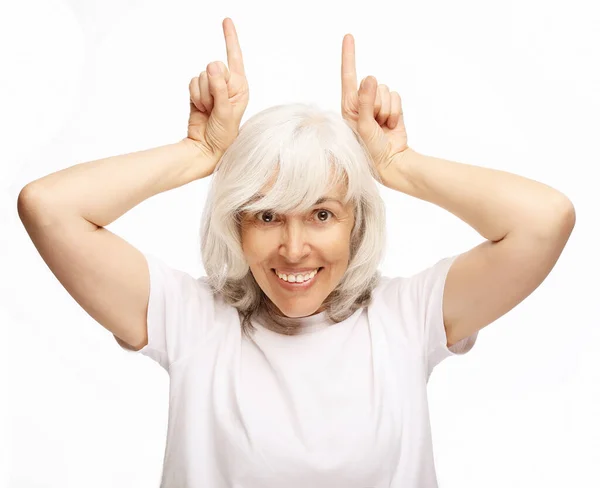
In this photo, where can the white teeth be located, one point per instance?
(297, 278)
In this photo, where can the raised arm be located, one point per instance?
(65, 212)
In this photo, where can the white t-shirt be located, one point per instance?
(338, 406)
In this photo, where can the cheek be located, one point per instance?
(255, 246)
(248, 244)
(339, 243)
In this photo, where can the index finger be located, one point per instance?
(349, 84)
(234, 51)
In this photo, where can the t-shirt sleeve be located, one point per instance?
(415, 305)
(426, 289)
(180, 313)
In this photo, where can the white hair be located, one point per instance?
(311, 150)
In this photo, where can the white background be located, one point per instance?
(506, 85)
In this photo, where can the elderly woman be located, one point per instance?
(294, 363)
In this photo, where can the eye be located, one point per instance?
(270, 217)
(322, 212)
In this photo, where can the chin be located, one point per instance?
(296, 312)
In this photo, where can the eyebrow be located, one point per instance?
(328, 199)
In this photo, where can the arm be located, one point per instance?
(491, 201)
(526, 224)
(99, 192)
(64, 214)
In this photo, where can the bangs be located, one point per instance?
(303, 168)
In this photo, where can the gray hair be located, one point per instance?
(303, 143)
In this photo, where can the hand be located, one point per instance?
(218, 102)
(372, 111)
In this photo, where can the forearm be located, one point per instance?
(102, 190)
(491, 201)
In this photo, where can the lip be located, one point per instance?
(296, 270)
(296, 286)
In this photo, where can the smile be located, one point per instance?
(295, 286)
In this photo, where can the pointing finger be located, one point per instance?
(234, 51)
(348, 66)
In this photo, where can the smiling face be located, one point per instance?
(297, 244)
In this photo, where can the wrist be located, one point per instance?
(405, 159)
(395, 174)
(198, 160)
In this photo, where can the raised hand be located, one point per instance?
(218, 101)
(372, 111)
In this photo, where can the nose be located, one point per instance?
(294, 244)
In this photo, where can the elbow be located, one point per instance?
(27, 196)
(31, 203)
(565, 213)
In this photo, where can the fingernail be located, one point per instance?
(213, 69)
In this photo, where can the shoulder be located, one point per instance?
(413, 288)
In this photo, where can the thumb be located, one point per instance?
(217, 86)
(367, 125)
